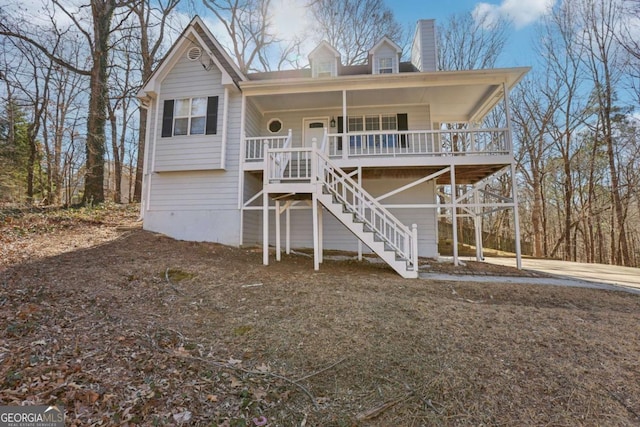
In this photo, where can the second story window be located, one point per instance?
(385, 65)
(190, 116)
(324, 69)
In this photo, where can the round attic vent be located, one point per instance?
(194, 53)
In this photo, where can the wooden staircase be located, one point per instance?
(348, 202)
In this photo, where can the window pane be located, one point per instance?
(197, 125)
(180, 126)
(324, 67)
(199, 107)
(372, 123)
(385, 65)
(355, 124)
(182, 108)
(389, 122)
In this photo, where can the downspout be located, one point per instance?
(225, 114)
(153, 151)
(243, 108)
(147, 132)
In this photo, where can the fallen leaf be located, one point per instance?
(182, 417)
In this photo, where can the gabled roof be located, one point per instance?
(324, 45)
(385, 40)
(196, 32)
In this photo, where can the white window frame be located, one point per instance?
(367, 124)
(189, 116)
(361, 120)
(385, 68)
(324, 68)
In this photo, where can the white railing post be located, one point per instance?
(314, 161)
(265, 157)
(414, 249)
(265, 206)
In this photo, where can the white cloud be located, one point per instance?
(290, 18)
(520, 12)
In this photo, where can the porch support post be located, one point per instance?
(278, 257)
(287, 216)
(265, 207)
(345, 126)
(514, 186)
(516, 215)
(320, 234)
(316, 245)
(477, 221)
(454, 215)
(360, 241)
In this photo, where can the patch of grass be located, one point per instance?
(176, 275)
(242, 330)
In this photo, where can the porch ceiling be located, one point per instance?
(451, 96)
(447, 104)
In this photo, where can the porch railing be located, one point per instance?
(425, 142)
(254, 146)
(313, 166)
(402, 240)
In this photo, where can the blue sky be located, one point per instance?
(290, 16)
(523, 15)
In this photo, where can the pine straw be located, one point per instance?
(145, 330)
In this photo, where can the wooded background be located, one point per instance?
(70, 122)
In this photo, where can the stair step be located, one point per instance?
(378, 243)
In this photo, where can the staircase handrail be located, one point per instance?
(282, 158)
(388, 219)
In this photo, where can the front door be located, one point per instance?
(314, 128)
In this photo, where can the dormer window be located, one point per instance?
(324, 69)
(385, 57)
(385, 65)
(324, 61)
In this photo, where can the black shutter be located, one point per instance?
(340, 130)
(167, 118)
(403, 124)
(212, 115)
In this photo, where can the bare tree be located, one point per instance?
(354, 26)
(560, 46)
(467, 42)
(532, 121)
(152, 19)
(247, 25)
(600, 18)
(96, 35)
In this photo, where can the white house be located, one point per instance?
(337, 157)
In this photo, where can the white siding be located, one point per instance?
(418, 117)
(253, 119)
(193, 152)
(252, 221)
(385, 51)
(424, 52)
(187, 203)
(321, 56)
(337, 236)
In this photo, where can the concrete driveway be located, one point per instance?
(597, 273)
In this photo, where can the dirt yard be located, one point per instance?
(126, 327)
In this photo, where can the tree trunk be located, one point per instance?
(536, 214)
(137, 191)
(102, 11)
(568, 196)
